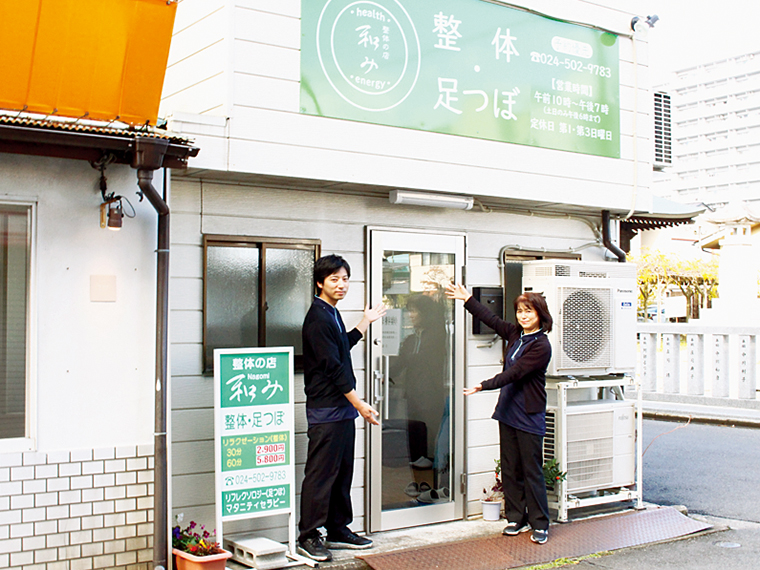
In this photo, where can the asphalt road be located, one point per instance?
(735, 547)
(712, 470)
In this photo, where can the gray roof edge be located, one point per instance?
(664, 209)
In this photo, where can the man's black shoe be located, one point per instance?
(347, 540)
(314, 549)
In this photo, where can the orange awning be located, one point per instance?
(95, 58)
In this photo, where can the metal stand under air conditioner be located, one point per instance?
(597, 441)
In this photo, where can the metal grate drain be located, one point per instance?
(570, 540)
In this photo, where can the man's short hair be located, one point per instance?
(326, 266)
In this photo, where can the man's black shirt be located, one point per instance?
(328, 373)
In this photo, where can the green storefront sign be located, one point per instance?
(252, 379)
(255, 451)
(258, 500)
(254, 423)
(462, 67)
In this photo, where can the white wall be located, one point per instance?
(246, 121)
(201, 207)
(266, 134)
(196, 75)
(93, 362)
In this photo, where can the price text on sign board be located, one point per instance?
(257, 500)
(251, 451)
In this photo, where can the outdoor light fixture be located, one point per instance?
(115, 215)
(431, 200)
(112, 209)
(112, 213)
(641, 26)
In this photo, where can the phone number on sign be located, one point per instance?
(253, 478)
(571, 64)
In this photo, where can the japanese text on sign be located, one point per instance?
(463, 67)
(254, 432)
(254, 380)
(256, 500)
(252, 451)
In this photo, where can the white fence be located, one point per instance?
(698, 362)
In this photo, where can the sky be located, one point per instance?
(692, 32)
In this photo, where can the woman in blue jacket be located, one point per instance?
(521, 409)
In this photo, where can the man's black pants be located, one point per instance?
(522, 477)
(326, 490)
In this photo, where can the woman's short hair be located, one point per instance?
(326, 266)
(538, 303)
(431, 312)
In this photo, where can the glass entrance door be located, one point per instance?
(416, 372)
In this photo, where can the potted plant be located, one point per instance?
(492, 497)
(553, 473)
(195, 550)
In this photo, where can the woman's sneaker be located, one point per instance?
(513, 528)
(539, 536)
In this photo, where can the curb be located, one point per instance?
(672, 416)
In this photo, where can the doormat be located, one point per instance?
(569, 540)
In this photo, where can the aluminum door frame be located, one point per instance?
(378, 239)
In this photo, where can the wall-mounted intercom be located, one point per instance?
(493, 298)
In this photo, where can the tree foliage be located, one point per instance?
(657, 272)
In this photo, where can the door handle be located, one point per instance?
(386, 386)
(377, 388)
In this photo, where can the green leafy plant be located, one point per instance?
(563, 562)
(197, 542)
(496, 492)
(552, 473)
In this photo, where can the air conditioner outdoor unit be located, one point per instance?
(594, 309)
(600, 444)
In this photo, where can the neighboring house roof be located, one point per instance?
(86, 140)
(730, 216)
(712, 241)
(734, 213)
(665, 213)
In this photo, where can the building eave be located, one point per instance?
(85, 142)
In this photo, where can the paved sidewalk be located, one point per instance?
(477, 528)
(733, 546)
(729, 545)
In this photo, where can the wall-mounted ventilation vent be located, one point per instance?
(662, 134)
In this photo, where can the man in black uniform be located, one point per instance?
(332, 405)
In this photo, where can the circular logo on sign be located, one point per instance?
(369, 52)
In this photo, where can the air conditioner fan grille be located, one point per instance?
(585, 333)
